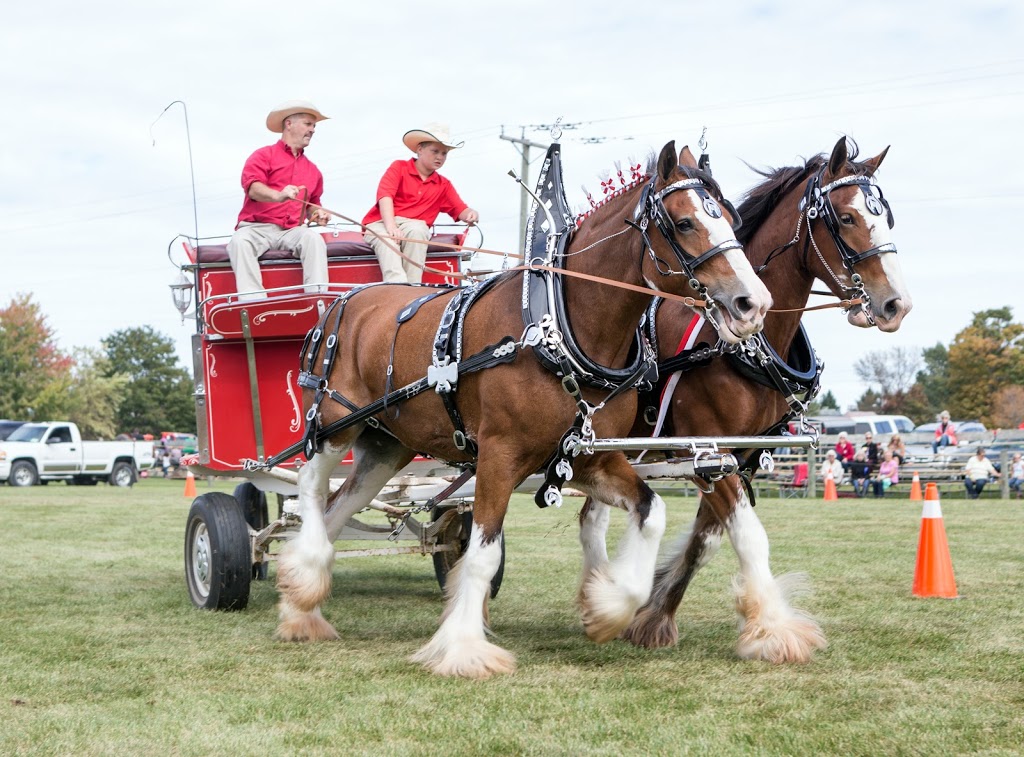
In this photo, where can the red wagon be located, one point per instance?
(249, 406)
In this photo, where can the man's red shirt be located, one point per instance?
(276, 166)
(414, 196)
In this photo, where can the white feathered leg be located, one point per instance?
(459, 647)
(770, 628)
(304, 567)
(611, 595)
(593, 532)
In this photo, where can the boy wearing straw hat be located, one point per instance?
(276, 180)
(410, 196)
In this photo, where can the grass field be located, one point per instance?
(102, 653)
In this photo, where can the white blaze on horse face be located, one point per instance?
(748, 289)
(879, 233)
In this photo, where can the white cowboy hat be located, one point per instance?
(275, 121)
(432, 132)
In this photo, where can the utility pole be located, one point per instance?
(525, 174)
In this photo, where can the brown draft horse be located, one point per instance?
(515, 413)
(716, 400)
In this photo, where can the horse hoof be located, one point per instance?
(771, 629)
(477, 659)
(606, 608)
(652, 630)
(794, 642)
(303, 626)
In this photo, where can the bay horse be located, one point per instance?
(514, 415)
(821, 220)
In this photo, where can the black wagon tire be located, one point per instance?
(218, 560)
(254, 509)
(122, 474)
(445, 561)
(23, 473)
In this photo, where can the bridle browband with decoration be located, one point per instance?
(651, 208)
(817, 203)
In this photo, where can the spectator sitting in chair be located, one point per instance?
(860, 473)
(945, 434)
(898, 448)
(872, 452)
(1016, 473)
(888, 474)
(977, 473)
(845, 449)
(831, 464)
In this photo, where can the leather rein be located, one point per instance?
(660, 215)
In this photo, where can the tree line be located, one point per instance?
(979, 376)
(133, 382)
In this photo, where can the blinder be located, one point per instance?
(817, 201)
(653, 204)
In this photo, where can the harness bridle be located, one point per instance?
(651, 208)
(817, 203)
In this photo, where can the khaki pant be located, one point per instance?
(394, 269)
(253, 239)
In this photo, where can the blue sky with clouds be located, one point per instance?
(88, 204)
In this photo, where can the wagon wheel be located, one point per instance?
(254, 510)
(218, 557)
(457, 533)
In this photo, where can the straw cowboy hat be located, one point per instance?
(275, 121)
(433, 132)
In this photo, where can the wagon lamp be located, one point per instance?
(181, 293)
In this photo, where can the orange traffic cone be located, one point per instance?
(830, 487)
(915, 488)
(933, 575)
(190, 485)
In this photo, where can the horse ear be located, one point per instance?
(686, 158)
(876, 161)
(838, 159)
(667, 161)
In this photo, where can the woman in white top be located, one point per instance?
(977, 473)
(831, 463)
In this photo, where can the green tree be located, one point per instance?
(158, 395)
(95, 396)
(870, 401)
(933, 379)
(983, 358)
(34, 373)
(827, 401)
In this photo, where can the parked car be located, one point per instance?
(881, 425)
(832, 424)
(8, 427)
(961, 427)
(55, 451)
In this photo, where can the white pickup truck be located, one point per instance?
(54, 451)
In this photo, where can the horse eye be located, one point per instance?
(847, 219)
(685, 224)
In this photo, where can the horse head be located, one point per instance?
(697, 246)
(857, 235)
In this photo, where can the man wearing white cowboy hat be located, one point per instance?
(410, 196)
(276, 180)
